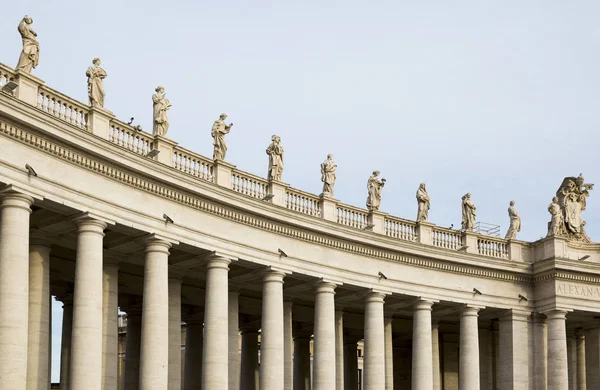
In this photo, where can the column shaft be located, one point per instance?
(215, 357)
(132, 349)
(389, 354)
(233, 342)
(174, 333)
(154, 348)
(38, 358)
(350, 365)
(572, 361)
(374, 359)
(272, 335)
(422, 350)
(592, 357)
(324, 343)
(65, 343)
(581, 369)
(86, 344)
(249, 368)
(194, 341)
(514, 354)
(110, 327)
(468, 376)
(435, 343)
(14, 289)
(339, 350)
(302, 362)
(558, 377)
(288, 367)
(540, 353)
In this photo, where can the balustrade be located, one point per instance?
(351, 216)
(6, 75)
(193, 164)
(63, 107)
(302, 202)
(247, 184)
(400, 228)
(446, 238)
(492, 247)
(130, 138)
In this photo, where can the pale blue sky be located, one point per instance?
(497, 98)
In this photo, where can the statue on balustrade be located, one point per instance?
(571, 200)
(468, 213)
(95, 82)
(515, 222)
(328, 168)
(423, 201)
(219, 129)
(374, 187)
(275, 152)
(161, 106)
(30, 54)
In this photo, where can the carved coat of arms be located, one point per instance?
(572, 196)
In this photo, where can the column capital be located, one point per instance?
(110, 259)
(579, 333)
(423, 304)
(39, 239)
(19, 193)
(274, 274)
(157, 244)
(325, 286)
(470, 310)
(177, 273)
(556, 314)
(12, 199)
(515, 315)
(374, 295)
(538, 318)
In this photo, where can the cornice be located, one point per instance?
(521, 273)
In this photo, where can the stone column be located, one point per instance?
(86, 337)
(350, 363)
(154, 348)
(233, 341)
(174, 333)
(572, 360)
(215, 357)
(580, 350)
(324, 342)
(558, 377)
(389, 353)
(422, 350)
(514, 353)
(468, 376)
(65, 342)
(110, 326)
(194, 341)
(486, 356)
(272, 349)
(132, 348)
(592, 355)
(38, 357)
(374, 359)
(302, 360)
(435, 344)
(288, 367)
(540, 353)
(249, 367)
(14, 288)
(339, 350)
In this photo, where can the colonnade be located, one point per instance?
(212, 361)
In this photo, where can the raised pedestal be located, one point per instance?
(222, 172)
(28, 90)
(99, 121)
(165, 147)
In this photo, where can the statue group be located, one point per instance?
(566, 207)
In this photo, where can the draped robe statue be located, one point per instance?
(30, 54)
(557, 222)
(423, 201)
(275, 152)
(218, 131)
(161, 106)
(515, 222)
(468, 213)
(96, 75)
(328, 168)
(374, 187)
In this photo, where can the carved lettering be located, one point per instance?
(578, 290)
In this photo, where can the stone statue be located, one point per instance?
(572, 200)
(161, 106)
(96, 75)
(515, 222)
(328, 168)
(468, 213)
(374, 187)
(557, 222)
(275, 152)
(219, 129)
(30, 54)
(423, 202)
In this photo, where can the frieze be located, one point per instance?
(577, 290)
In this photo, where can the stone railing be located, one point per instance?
(130, 138)
(492, 247)
(6, 75)
(63, 107)
(400, 228)
(302, 202)
(248, 184)
(446, 238)
(192, 163)
(351, 216)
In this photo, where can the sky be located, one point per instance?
(496, 98)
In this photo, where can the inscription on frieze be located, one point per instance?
(578, 290)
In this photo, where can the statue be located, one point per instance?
(219, 129)
(161, 106)
(275, 152)
(557, 222)
(468, 213)
(30, 55)
(328, 168)
(423, 202)
(572, 200)
(374, 187)
(96, 75)
(515, 222)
